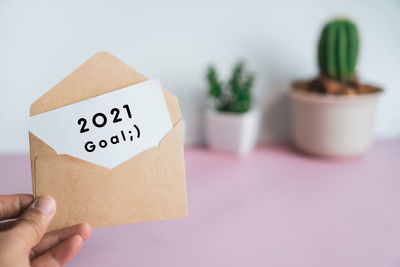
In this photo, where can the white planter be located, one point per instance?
(231, 132)
(330, 125)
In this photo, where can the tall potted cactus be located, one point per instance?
(333, 114)
(232, 121)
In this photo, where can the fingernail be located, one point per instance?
(45, 204)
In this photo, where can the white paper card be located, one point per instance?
(108, 129)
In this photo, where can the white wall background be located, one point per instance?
(43, 41)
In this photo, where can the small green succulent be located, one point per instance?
(232, 96)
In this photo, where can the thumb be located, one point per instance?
(33, 223)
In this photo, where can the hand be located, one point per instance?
(24, 242)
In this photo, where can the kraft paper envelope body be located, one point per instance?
(149, 186)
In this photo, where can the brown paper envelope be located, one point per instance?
(149, 186)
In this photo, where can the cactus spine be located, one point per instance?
(338, 49)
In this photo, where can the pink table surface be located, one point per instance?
(273, 208)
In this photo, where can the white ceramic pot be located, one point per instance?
(231, 132)
(332, 125)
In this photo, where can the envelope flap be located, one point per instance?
(149, 186)
(101, 74)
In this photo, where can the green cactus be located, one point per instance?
(338, 49)
(233, 96)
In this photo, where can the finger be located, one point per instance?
(11, 206)
(54, 238)
(33, 223)
(59, 255)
